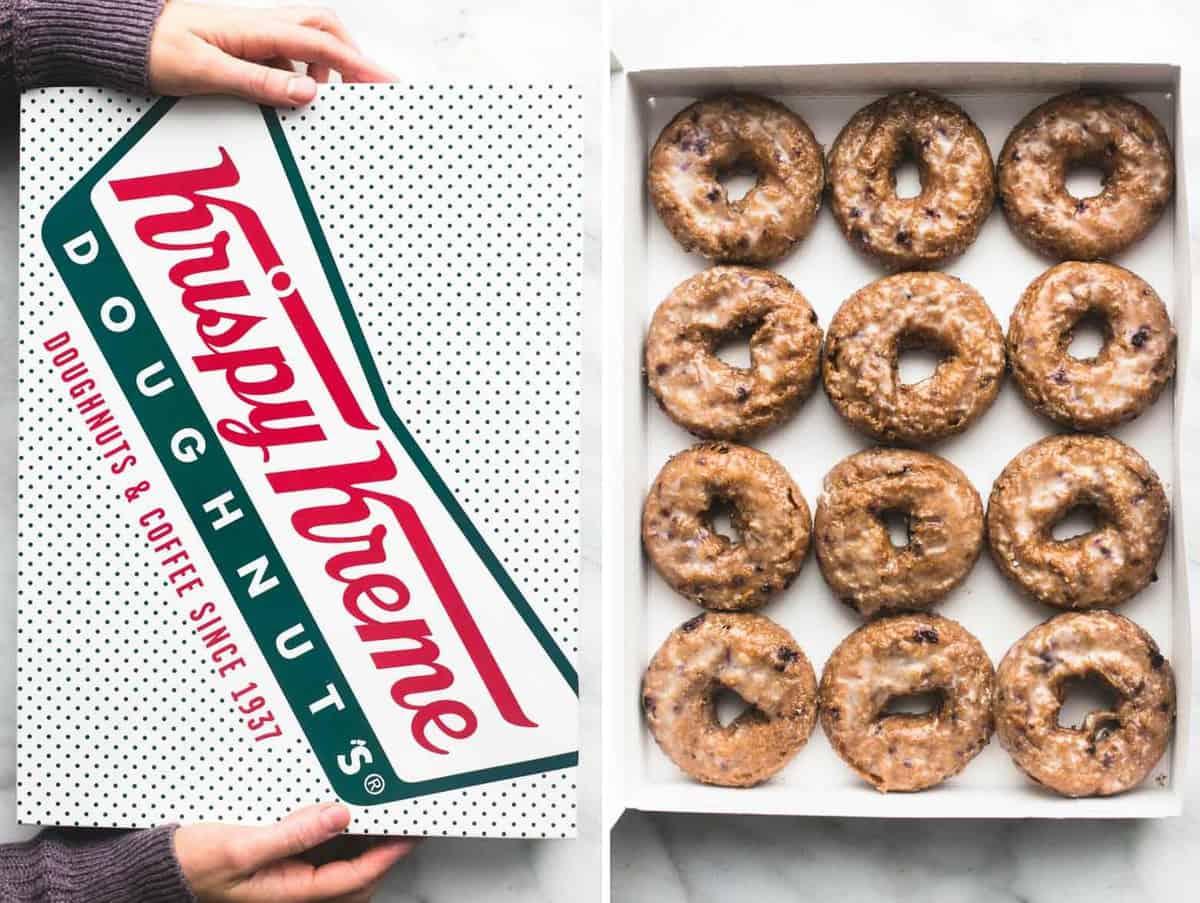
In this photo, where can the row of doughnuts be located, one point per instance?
(859, 361)
(902, 655)
(946, 524)
(959, 184)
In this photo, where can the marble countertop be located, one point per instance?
(677, 858)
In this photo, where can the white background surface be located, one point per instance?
(678, 858)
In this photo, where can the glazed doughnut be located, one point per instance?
(877, 323)
(1112, 751)
(714, 399)
(900, 656)
(1124, 378)
(753, 657)
(725, 134)
(1122, 139)
(1102, 568)
(856, 555)
(765, 507)
(957, 180)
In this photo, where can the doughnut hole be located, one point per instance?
(724, 519)
(734, 347)
(728, 707)
(914, 705)
(907, 177)
(1086, 179)
(738, 179)
(1088, 703)
(918, 357)
(1079, 520)
(898, 525)
(1087, 336)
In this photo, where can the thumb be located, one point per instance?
(300, 831)
(260, 83)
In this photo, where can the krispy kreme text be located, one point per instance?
(351, 535)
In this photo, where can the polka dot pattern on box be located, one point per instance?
(432, 198)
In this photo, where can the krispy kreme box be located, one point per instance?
(299, 460)
(644, 263)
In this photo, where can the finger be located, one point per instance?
(317, 17)
(310, 45)
(282, 63)
(352, 876)
(319, 73)
(328, 21)
(258, 82)
(300, 831)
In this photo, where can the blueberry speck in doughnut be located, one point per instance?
(648, 704)
(926, 635)
(1156, 659)
(690, 625)
(1139, 338)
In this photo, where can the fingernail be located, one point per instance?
(333, 817)
(301, 89)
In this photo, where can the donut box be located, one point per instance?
(277, 544)
(644, 263)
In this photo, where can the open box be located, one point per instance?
(643, 263)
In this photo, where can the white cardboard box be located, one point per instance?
(643, 263)
(281, 537)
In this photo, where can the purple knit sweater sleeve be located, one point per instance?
(84, 42)
(76, 42)
(79, 866)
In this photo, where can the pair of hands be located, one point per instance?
(270, 56)
(256, 54)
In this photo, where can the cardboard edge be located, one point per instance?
(1182, 595)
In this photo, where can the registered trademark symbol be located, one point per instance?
(374, 784)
